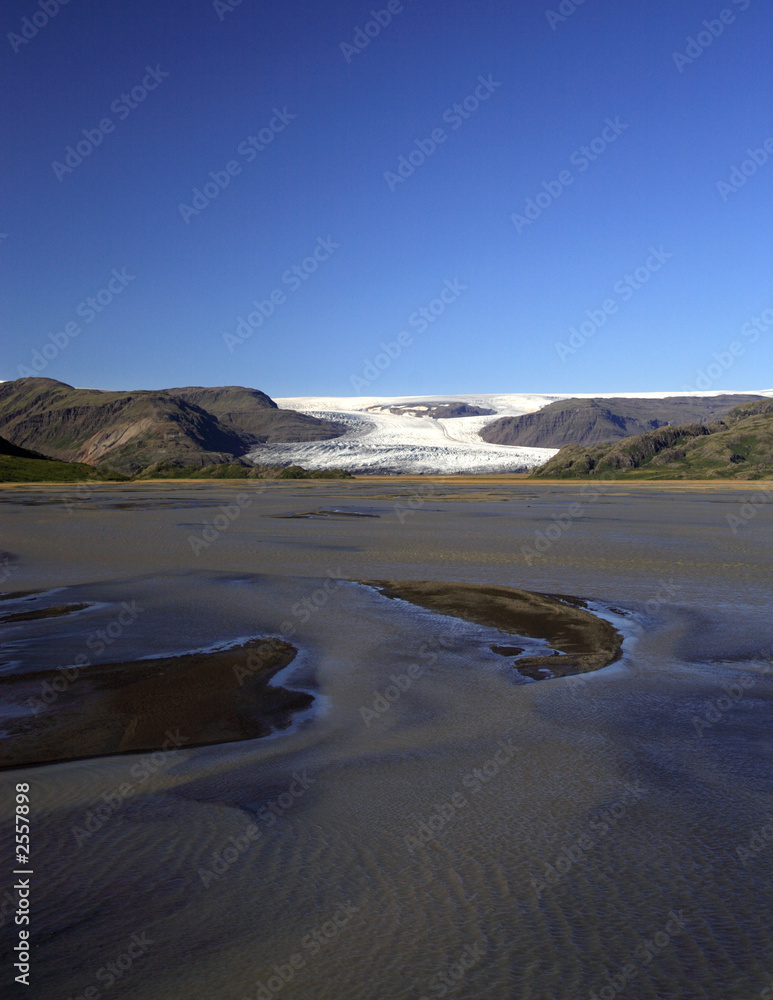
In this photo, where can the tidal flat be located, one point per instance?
(418, 817)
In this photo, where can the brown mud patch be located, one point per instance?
(582, 642)
(57, 611)
(195, 699)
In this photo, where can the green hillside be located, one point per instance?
(131, 430)
(740, 446)
(588, 422)
(236, 470)
(19, 465)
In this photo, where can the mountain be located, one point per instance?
(593, 421)
(740, 446)
(167, 432)
(19, 465)
(131, 430)
(255, 417)
(436, 411)
(13, 451)
(386, 435)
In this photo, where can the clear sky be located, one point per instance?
(154, 97)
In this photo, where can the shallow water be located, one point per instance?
(491, 837)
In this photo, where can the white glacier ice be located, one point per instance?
(378, 441)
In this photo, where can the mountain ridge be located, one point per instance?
(133, 429)
(595, 420)
(20, 465)
(739, 446)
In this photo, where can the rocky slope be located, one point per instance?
(130, 430)
(436, 411)
(14, 451)
(593, 421)
(255, 417)
(740, 446)
(19, 465)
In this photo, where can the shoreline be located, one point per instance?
(583, 642)
(511, 478)
(208, 697)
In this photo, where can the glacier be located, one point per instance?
(379, 441)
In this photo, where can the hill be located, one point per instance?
(740, 446)
(14, 451)
(19, 465)
(436, 411)
(594, 421)
(132, 430)
(255, 417)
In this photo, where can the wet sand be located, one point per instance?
(223, 696)
(198, 699)
(583, 642)
(457, 808)
(56, 611)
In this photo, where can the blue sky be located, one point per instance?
(330, 125)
